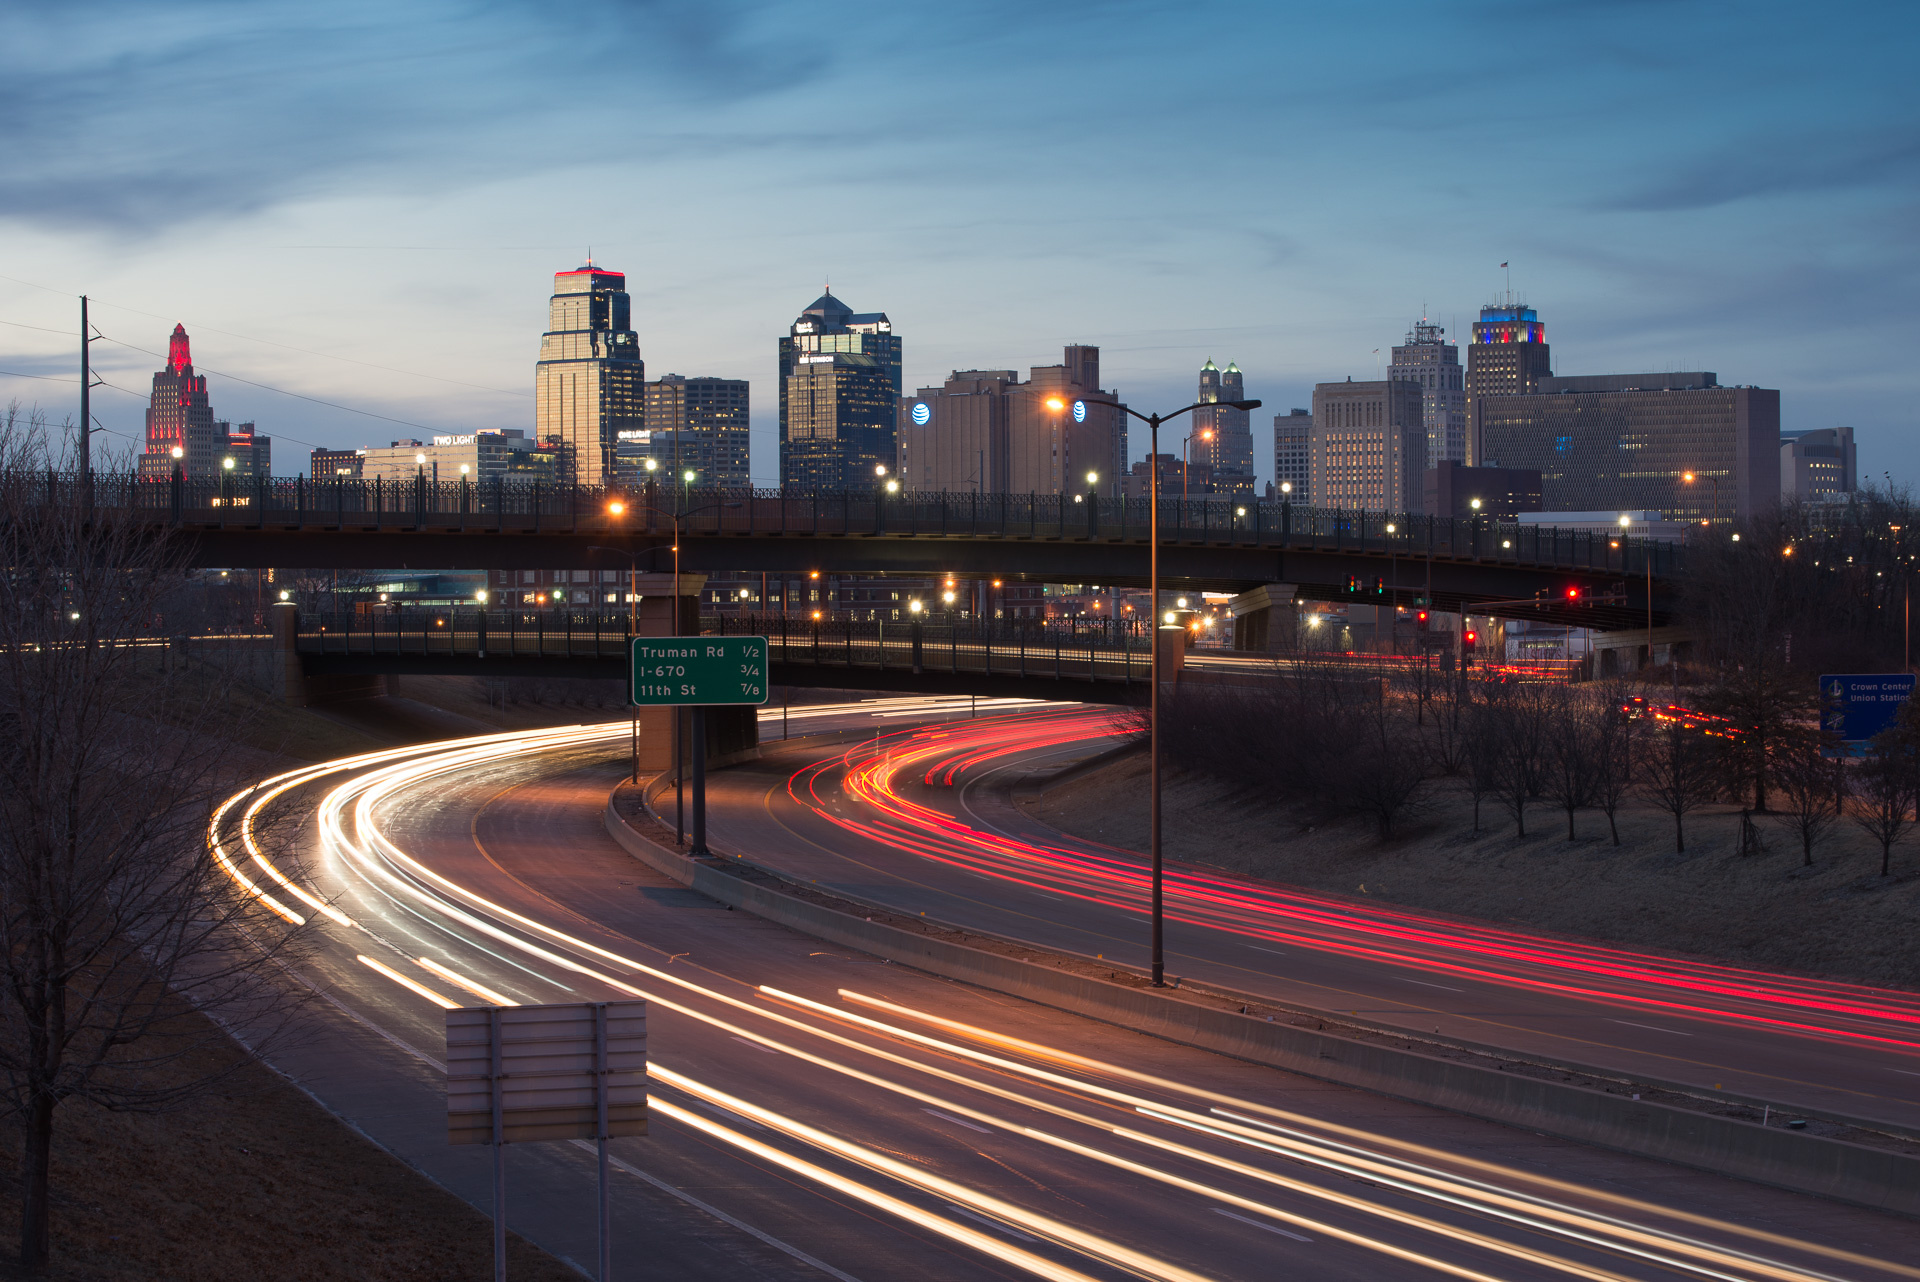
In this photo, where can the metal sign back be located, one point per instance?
(697, 670)
(553, 1072)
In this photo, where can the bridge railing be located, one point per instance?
(505, 504)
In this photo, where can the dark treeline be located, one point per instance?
(1799, 593)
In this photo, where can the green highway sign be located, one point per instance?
(697, 670)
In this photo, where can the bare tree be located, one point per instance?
(1520, 775)
(1572, 776)
(1389, 769)
(1811, 785)
(1452, 719)
(1883, 793)
(1614, 742)
(115, 916)
(1484, 748)
(1680, 771)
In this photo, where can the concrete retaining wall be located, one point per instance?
(1804, 1163)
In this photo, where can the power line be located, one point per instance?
(249, 338)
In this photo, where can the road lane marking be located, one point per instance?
(1650, 1028)
(1271, 1228)
(438, 999)
(1258, 949)
(990, 1222)
(757, 1046)
(957, 1121)
(1424, 984)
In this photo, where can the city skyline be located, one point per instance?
(1656, 231)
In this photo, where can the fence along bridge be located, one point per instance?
(1213, 543)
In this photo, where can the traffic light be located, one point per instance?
(1353, 583)
(1467, 639)
(1421, 620)
(1573, 596)
(1379, 586)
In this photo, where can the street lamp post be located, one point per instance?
(618, 508)
(1153, 422)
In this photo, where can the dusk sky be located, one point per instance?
(365, 203)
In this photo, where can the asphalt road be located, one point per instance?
(822, 1114)
(926, 823)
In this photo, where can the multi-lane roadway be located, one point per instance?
(817, 1113)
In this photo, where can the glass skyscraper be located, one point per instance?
(587, 384)
(698, 425)
(839, 393)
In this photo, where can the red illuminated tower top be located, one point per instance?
(179, 358)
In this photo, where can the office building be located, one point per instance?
(1222, 435)
(1508, 356)
(692, 424)
(508, 455)
(1630, 441)
(1503, 493)
(1369, 445)
(987, 432)
(1818, 463)
(1293, 455)
(327, 465)
(180, 417)
(1428, 359)
(839, 396)
(1629, 524)
(587, 382)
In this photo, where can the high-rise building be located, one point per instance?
(180, 417)
(587, 382)
(986, 431)
(1630, 441)
(1293, 455)
(1222, 435)
(693, 424)
(1455, 490)
(839, 394)
(1428, 359)
(1509, 355)
(1818, 463)
(328, 465)
(1369, 445)
(1178, 478)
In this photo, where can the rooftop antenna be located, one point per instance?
(1509, 271)
(589, 255)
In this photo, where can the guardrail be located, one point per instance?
(499, 505)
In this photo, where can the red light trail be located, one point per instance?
(872, 774)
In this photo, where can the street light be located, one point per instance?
(1153, 422)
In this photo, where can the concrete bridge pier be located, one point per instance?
(291, 683)
(1266, 618)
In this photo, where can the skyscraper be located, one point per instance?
(1818, 463)
(1369, 446)
(839, 394)
(1428, 359)
(1293, 455)
(986, 431)
(1508, 356)
(179, 416)
(1222, 435)
(699, 424)
(587, 382)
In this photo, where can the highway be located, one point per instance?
(923, 822)
(818, 1114)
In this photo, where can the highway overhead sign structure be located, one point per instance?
(1858, 707)
(697, 671)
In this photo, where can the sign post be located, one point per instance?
(572, 1070)
(700, 672)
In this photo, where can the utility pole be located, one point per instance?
(85, 461)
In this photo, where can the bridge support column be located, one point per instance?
(1171, 641)
(1266, 618)
(292, 685)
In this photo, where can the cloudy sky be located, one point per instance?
(358, 207)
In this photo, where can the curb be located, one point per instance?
(1878, 1178)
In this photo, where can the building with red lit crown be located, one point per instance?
(182, 432)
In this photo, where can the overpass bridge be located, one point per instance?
(1211, 543)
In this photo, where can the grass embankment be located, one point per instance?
(255, 1180)
(251, 1181)
(1838, 919)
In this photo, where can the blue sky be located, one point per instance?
(364, 203)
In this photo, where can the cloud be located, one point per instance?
(1807, 164)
